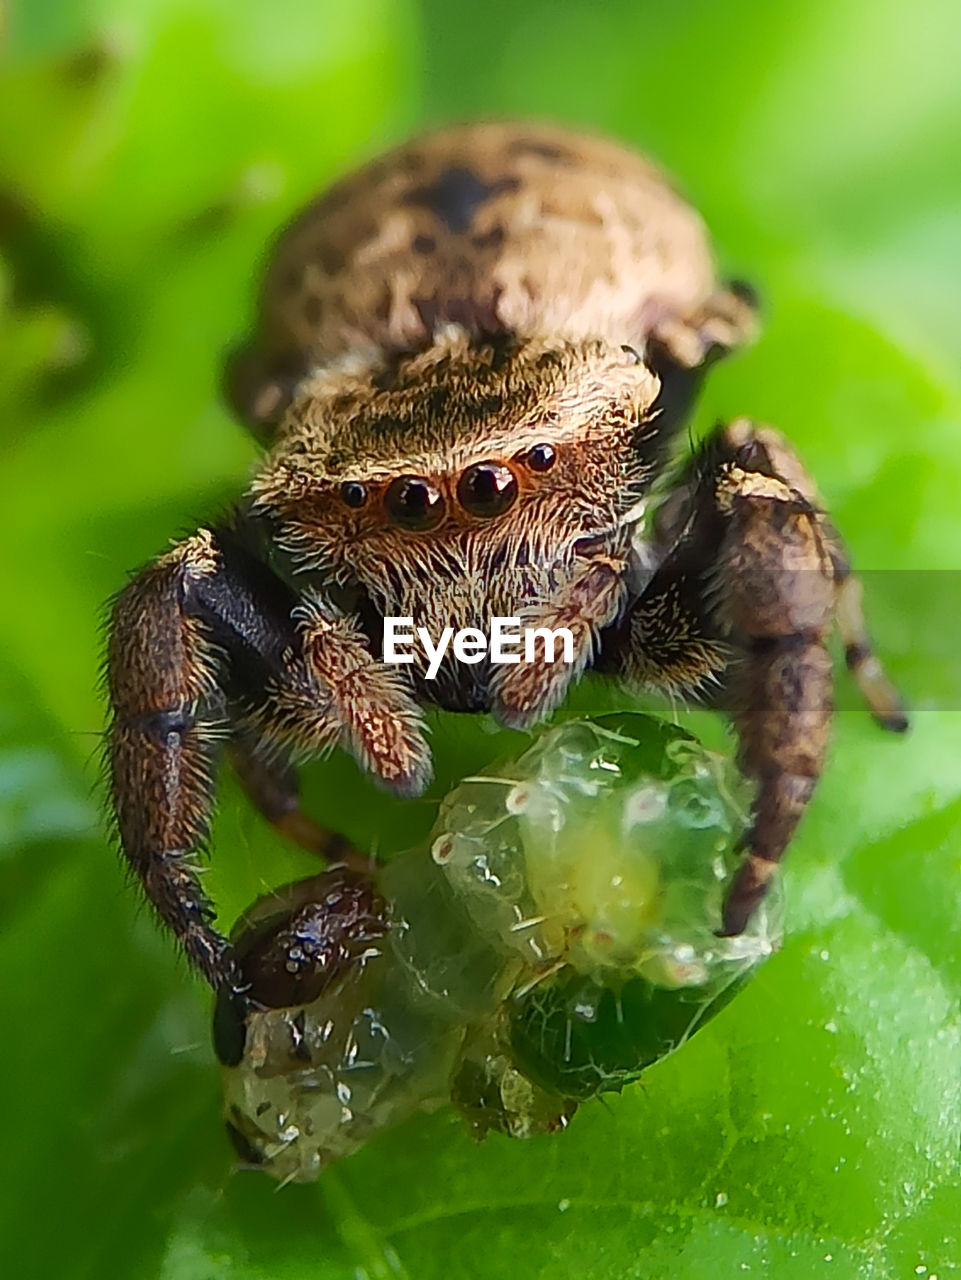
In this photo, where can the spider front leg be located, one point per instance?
(167, 713)
(208, 642)
(766, 450)
(738, 615)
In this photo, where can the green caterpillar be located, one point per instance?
(556, 938)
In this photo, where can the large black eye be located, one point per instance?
(414, 503)
(487, 489)
(353, 493)
(541, 457)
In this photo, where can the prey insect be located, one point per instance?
(471, 362)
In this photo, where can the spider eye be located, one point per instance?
(414, 503)
(353, 493)
(487, 489)
(541, 457)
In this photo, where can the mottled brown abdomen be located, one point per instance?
(526, 228)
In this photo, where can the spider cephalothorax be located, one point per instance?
(471, 362)
(464, 482)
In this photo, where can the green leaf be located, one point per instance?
(813, 1128)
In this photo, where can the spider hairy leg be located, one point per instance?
(780, 565)
(778, 600)
(166, 716)
(738, 615)
(770, 452)
(875, 686)
(209, 643)
(303, 678)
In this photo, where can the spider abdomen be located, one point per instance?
(528, 229)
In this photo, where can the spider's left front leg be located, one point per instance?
(737, 615)
(208, 642)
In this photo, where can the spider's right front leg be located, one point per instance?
(207, 640)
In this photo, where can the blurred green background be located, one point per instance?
(148, 148)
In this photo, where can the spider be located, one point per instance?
(471, 361)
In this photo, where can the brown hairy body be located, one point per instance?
(471, 362)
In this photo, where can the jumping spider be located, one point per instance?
(471, 361)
